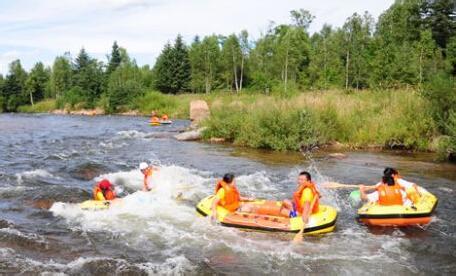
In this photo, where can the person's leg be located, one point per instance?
(247, 208)
(287, 206)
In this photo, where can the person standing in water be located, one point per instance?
(147, 171)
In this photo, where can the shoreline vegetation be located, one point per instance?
(385, 82)
(335, 119)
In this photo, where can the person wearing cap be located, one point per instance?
(147, 171)
(104, 190)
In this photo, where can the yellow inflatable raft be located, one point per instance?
(266, 218)
(97, 205)
(399, 215)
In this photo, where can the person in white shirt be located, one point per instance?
(410, 194)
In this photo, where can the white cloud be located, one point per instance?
(144, 26)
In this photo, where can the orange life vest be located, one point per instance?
(389, 195)
(154, 119)
(297, 197)
(232, 197)
(108, 194)
(147, 173)
(164, 117)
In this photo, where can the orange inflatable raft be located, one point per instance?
(399, 215)
(266, 217)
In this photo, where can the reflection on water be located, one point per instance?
(54, 160)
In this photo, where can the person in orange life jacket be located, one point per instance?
(104, 190)
(387, 192)
(306, 199)
(411, 193)
(228, 196)
(147, 171)
(154, 117)
(164, 117)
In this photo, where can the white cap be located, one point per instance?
(143, 166)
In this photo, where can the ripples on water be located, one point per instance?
(49, 163)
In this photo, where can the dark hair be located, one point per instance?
(309, 178)
(388, 176)
(228, 178)
(389, 171)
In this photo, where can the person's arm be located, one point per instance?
(218, 196)
(214, 207)
(362, 190)
(404, 183)
(368, 188)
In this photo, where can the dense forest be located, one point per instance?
(411, 45)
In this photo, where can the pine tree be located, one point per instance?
(162, 70)
(181, 67)
(114, 59)
(88, 77)
(14, 87)
(173, 69)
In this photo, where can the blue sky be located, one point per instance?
(39, 30)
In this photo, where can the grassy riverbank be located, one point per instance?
(389, 119)
(398, 119)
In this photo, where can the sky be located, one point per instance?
(40, 30)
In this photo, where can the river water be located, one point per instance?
(49, 163)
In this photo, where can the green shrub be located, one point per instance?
(174, 106)
(72, 97)
(40, 107)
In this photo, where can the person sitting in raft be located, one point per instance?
(104, 190)
(227, 196)
(164, 117)
(387, 192)
(411, 193)
(154, 118)
(306, 199)
(147, 171)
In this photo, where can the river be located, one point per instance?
(49, 163)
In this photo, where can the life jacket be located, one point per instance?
(164, 117)
(108, 194)
(389, 195)
(154, 119)
(232, 197)
(298, 193)
(147, 173)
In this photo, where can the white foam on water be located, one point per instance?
(157, 221)
(39, 173)
(131, 134)
(177, 265)
(29, 236)
(446, 189)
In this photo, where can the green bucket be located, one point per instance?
(355, 198)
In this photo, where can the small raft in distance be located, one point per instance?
(168, 122)
(267, 219)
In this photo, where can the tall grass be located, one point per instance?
(383, 118)
(40, 107)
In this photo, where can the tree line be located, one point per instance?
(409, 45)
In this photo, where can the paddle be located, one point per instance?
(298, 238)
(335, 185)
